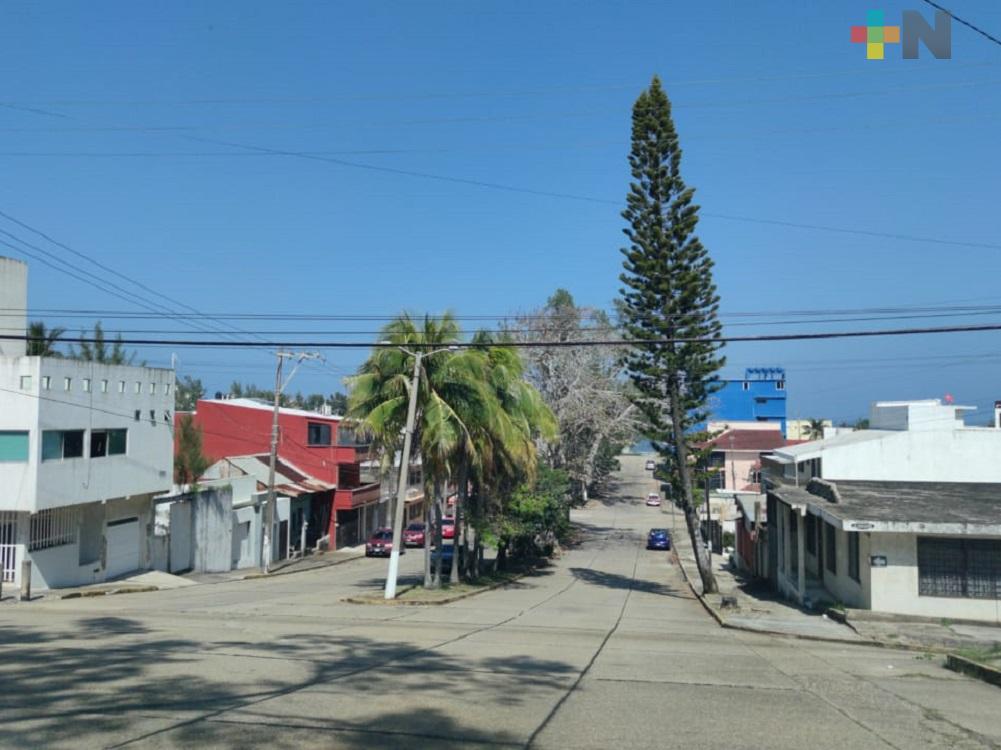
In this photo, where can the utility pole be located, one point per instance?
(401, 488)
(269, 508)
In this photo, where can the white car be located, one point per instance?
(650, 465)
(653, 500)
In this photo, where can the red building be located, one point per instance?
(317, 444)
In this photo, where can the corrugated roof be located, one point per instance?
(289, 479)
(814, 448)
(749, 440)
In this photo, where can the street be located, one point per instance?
(606, 648)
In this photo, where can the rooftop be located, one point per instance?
(289, 479)
(750, 440)
(928, 507)
(253, 403)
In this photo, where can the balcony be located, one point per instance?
(355, 497)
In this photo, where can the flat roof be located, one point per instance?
(253, 403)
(915, 507)
(815, 448)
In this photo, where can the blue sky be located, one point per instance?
(139, 136)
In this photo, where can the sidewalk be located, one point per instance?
(759, 609)
(312, 562)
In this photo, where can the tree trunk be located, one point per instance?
(460, 506)
(427, 540)
(436, 573)
(687, 497)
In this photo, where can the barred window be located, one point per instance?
(967, 568)
(52, 528)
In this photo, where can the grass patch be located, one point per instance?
(448, 592)
(988, 655)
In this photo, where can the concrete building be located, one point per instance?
(760, 396)
(84, 447)
(873, 518)
(928, 549)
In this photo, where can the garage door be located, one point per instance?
(123, 546)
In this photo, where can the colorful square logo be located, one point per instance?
(875, 35)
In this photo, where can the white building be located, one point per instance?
(904, 517)
(83, 448)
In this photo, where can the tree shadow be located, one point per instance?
(617, 581)
(93, 682)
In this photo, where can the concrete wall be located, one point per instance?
(964, 455)
(19, 411)
(212, 522)
(13, 305)
(895, 587)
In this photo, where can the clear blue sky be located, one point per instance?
(111, 109)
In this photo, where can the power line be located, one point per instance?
(967, 24)
(815, 336)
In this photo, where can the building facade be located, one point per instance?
(317, 445)
(84, 447)
(760, 396)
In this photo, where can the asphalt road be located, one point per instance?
(606, 649)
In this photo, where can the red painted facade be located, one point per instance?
(234, 427)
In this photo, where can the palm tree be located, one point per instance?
(814, 429)
(42, 341)
(99, 351)
(451, 382)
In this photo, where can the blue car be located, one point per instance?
(447, 553)
(658, 539)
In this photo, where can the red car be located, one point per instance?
(414, 535)
(380, 544)
(448, 527)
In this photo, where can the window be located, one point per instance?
(67, 383)
(85, 384)
(830, 541)
(46, 382)
(138, 415)
(104, 386)
(26, 382)
(139, 387)
(780, 385)
(152, 416)
(811, 534)
(152, 388)
(968, 568)
(13, 445)
(58, 444)
(746, 385)
(107, 443)
(853, 557)
(318, 433)
(166, 389)
(52, 528)
(121, 386)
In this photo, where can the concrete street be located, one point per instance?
(606, 649)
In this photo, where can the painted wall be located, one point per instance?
(750, 400)
(232, 430)
(895, 587)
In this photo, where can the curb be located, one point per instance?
(972, 668)
(436, 602)
(108, 592)
(289, 570)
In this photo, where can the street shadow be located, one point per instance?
(617, 581)
(101, 681)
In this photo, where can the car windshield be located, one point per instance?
(382, 535)
(415, 527)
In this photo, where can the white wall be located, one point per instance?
(895, 587)
(18, 411)
(965, 455)
(13, 305)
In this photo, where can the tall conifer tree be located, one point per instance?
(669, 299)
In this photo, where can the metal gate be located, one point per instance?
(8, 548)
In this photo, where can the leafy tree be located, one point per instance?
(669, 300)
(189, 460)
(100, 351)
(583, 386)
(187, 391)
(537, 516)
(42, 341)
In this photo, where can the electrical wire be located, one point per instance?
(965, 23)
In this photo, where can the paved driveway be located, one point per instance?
(605, 649)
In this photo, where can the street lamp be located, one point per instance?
(401, 489)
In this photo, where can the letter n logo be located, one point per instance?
(938, 40)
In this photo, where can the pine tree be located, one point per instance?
(670, 300)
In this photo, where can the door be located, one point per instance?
(122, 537)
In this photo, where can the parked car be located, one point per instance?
(651, 465)
(658, 539)
(448, 527)
(447, 553)
(653, 500)
(380, 544)
(414, 535)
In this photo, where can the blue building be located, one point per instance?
(759, 397)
